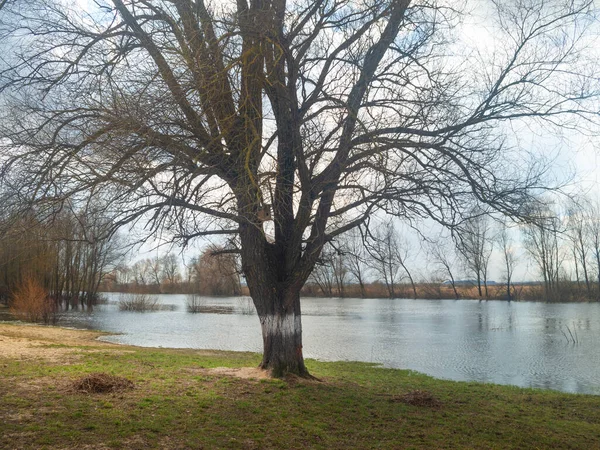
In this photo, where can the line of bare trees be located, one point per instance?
(66, 257)
(559, 246)
(213, 272)
(565, 247)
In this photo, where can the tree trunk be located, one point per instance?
(276, 296)
(282, 335)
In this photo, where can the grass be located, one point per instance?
(178, 403)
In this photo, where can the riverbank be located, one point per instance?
(178, 400)
(569, 291)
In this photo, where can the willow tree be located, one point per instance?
(284, 122)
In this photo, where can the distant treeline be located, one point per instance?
(381, 262)
(214, 272)
(74, 256)
(571, 291)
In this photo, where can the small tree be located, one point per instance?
(323, 275)
(509, 256)
(579, 232)
(475, 243)
(217, 272)
(542, 242)
(32, 303)
(594, 231)
(389, 257)
(444, 258)
(355, 255)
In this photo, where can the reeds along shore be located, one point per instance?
(568, 291)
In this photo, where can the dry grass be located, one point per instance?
(101, 383)
(419, 398)
(139, 302)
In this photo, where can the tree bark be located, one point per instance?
(282, 335)
(276, 295)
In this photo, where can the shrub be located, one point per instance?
(139, 302)
(194, 303)
(246, 306)
(31, 302)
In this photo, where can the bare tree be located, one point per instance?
(212, 120)
(579, 231)
(140, 272)
(323, 274)
(123, 274)
(474, 242)
(594, 230)
(542, 241)
(382, 250)
(155, 269)
(171, 269)
(509, 257)
(217, 272)
(331, 271)
(353, 249)
(389, 256)
(64, 256)
(340, 271)
(445, 259)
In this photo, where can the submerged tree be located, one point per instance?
(389, 254)
(542, 240)
(509, 257)
(474, 242)
(204, 118)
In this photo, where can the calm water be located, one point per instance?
(524, 344)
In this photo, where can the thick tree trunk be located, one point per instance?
(282, 336)
(277, 301)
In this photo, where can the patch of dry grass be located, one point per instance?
(419, 398)
(101, 383)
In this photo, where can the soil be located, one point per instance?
(48, 343)
(63, 346)
(242, 372)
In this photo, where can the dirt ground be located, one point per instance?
(48, 343)
(62, 345)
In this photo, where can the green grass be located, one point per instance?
(177, 404)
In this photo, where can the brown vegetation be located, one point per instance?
(101, 383)
(570, 291)
(419, 398)
(31, 302)
(140, 302)
(68, 256)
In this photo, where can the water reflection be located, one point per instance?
(508, 343)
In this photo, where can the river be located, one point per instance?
(528, 344)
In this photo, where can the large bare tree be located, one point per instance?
(211, 118)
